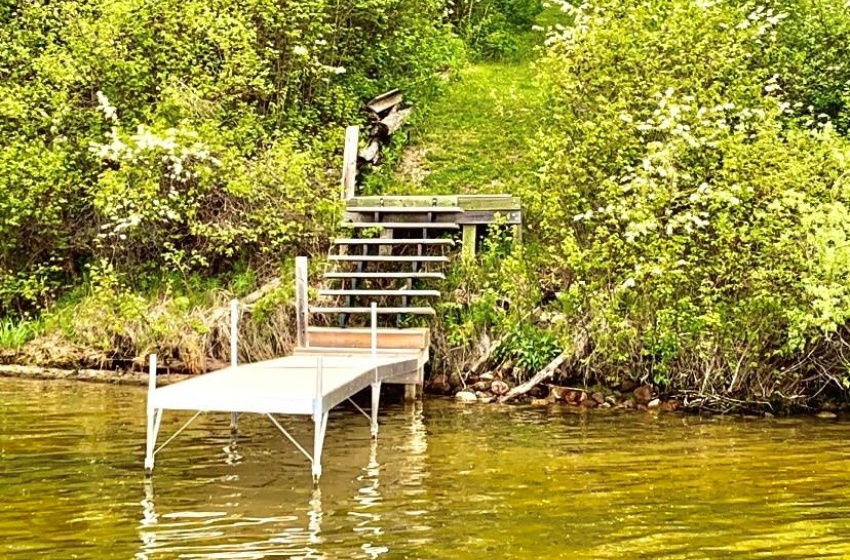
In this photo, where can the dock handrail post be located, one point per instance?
(376, 383)
(150, 440)
(234, 353)
(374, 329)
(301, 303)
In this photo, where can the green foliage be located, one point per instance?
(698, 210)
(493, 28)
(15, 334)
(499, 293)
(181, 137)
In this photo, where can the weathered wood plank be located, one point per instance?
(349, 162)
(388, 258)
(470, 238)
(509, 217)
(401, 225)
(378, 293)
(392, 241)
(441, 200)
(489, 203)
(301, 303)
(429, 275)
(381, 310)
(385, 101)
(408, 339)
(404, 209)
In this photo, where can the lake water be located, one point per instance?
(443, 481)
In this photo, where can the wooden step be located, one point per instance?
(401, 225)
(404, 209)
(431, 275)
(380, 310)
(391, 241)
(388, 258)
(388, 293)
(402, 339)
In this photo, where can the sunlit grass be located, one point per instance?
(477, 137)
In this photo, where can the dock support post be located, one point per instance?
(410, 392)
(320, 421)
(470, 234)
(234, 353)
(301, 303)
(349, 162)
(154, 417)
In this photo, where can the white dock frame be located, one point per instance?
(302, 384)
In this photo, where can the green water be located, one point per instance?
(443, 481)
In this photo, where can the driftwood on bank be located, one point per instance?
(543, 375)
(485, 357)
(385, 118)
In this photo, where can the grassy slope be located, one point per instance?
(476, 137)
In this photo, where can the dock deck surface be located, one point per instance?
(288, 385)
(305, 383)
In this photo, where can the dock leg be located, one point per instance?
(154, 419)
(409, 393)
(318, 443)
(376, 401)
(234, 423)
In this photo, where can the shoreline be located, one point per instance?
(104, 376)
(140, 379)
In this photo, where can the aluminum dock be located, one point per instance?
(298, 385)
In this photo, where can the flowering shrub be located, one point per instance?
(185, 136)
(699, 207)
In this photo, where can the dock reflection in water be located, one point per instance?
(218, 532)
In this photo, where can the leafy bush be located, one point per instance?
(185, 136)
(699, 211)
(491, 27)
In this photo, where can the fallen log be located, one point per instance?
(484, 358)
(392, 122)
(370, 153)
(541, 376)
(384, 102)
(260, 292)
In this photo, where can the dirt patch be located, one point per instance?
(413, 166)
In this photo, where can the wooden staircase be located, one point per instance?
(393, 254)
(389, 256)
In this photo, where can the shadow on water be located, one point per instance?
(443, 481)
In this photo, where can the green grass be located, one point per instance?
(477, 137)
(15, 333)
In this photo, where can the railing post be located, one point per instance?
(374, 329)
(301, 303)
(349, 161)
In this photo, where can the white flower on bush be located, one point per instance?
(108, 110)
